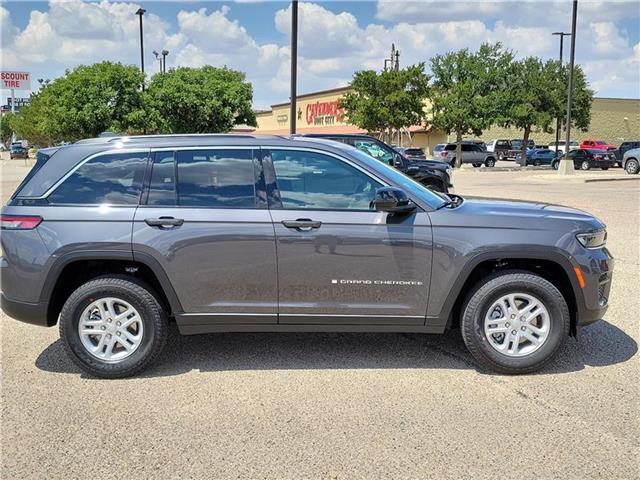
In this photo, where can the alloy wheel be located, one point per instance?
(517, 324)
(110, 329)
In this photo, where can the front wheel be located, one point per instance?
(555, 165)
(112, 327)
(604, 168)
(632, 166)
(585, 165)
(515, 322)
(490, 162)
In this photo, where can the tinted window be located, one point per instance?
(376, 150)
(162, 188)
(467, 148)
(107, 179)
(450, 147)
(216, 178)
(503, 143)
(313, 180)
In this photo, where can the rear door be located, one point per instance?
(339, 262)
(206, 224)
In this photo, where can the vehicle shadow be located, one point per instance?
(601, 344)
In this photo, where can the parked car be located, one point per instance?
(471, 153)
(18, 151)
(624, 147)
(413, 153)
(233, 233)
(537, 157)
(561, 146)
(433, 174)
(585, 159)
(596, 145)
(631, 161)
(437, 149)
(499, 147)
(516, 148)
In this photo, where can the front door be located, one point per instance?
(339, 261)
(212, 235)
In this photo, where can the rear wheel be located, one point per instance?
(112, 327)
(632, 166)
(585, 165)
(605, 168)
(536, 163)
(477, 165)
(555, 164)
(516, 322)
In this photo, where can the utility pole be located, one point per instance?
(294, 67)
(566, 165)
(140, 13)
(159, 61)
(164, 60)
(562, 35)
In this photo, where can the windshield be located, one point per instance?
(413, 188)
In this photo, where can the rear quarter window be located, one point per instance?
(113, 179)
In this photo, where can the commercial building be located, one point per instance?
(612, 119)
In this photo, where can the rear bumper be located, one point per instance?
(34, 313)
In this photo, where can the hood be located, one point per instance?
(515, 214)
(432, 164)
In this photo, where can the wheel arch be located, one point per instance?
(551, 265)
(71, 270)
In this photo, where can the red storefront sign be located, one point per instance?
(324, 113)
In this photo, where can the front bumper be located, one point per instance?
(597, 270)
(34, 313)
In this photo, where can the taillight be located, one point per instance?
(444, 153)
(598, 157)
(19, 222)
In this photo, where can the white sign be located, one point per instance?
(16, 80)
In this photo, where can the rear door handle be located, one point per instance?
(302, 224)
(164, 222)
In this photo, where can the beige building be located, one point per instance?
(612, 119)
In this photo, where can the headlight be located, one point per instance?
(595, 239)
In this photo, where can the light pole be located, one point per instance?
(294, 67)
(159, 60)
(562, 35)
(566, 165)
(164, 60)
(140, 13)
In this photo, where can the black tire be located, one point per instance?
(632, 167)
(536, 163)
(604, 168)
(555, 165)
(154, 322)
(481, 299)
(477, 165)
(585, 165)
(490, 162)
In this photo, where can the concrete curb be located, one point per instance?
(623, 179)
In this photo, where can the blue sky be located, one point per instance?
(336, 38)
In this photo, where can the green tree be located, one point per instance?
(582, 99)
(199, 100)
(387, 101)
(83, 103)
(466, 90)
(535, 96)
(6, 127)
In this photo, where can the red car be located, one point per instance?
(596, 145)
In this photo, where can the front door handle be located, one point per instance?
(164, 222)
(302, 224)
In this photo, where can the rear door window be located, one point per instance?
(218, 178)
(113, 179)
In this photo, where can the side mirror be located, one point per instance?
(397, 160)
(392, 200)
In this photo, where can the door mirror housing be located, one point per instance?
(397, 160)
(392, 200)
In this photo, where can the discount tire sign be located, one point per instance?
(16, 80)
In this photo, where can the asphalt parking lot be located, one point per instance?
(344, 406)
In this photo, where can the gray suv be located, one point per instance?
(112, 238)
(471, 153)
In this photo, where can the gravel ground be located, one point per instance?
(343, 406)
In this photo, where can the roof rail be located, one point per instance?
(127, 138)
